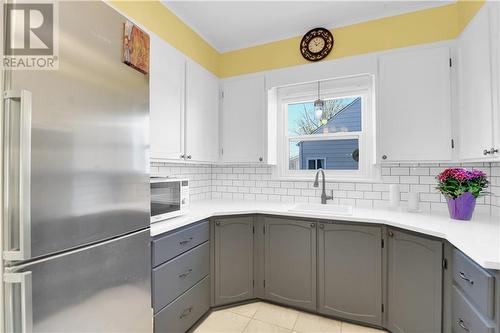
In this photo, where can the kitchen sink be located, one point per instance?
(322, 209)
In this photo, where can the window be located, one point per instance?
(337, 140)
(315, 164)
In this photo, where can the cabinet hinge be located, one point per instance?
(382, 242)
(264, 283)
(222, 151)
(253, 230)
(253, 283)
(264, 229)
(382, 307)
(445, 263)
(451, 63)
(452, 144)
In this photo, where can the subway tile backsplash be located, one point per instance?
(255, 182)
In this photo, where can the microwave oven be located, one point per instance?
(169, 197)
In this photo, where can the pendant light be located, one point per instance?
(319, 106)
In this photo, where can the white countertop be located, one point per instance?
(478, 238)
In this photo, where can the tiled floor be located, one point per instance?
(262, 317)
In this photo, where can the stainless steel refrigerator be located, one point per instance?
(76, 245)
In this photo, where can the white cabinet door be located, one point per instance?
(475, 85)
(166, 84)
(415, 106)
(202, 114)
(243, 120)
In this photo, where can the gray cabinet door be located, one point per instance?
(350, 272)
(414, 283)
(233, 259)
(290, 262)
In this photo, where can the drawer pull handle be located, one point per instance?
(184, 242)
(183, 275)
(461, 323)
(186, 312)
(465, 278)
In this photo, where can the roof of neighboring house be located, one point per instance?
(347, 119)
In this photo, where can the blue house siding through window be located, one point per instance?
(337, 154)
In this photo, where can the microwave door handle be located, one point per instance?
(23, 295)
(17, 174)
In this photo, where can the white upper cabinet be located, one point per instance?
(243, 120)
(166, 84)
(202, 114)
(415, 106)
(478, 97)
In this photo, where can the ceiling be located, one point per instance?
(232, 25)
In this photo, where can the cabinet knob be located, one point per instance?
(486, 152)
(260, 159)
(217, 223)
(313, 225)
(390, 233)
(493, 150)
(183, 156)
(189, 157)
(384, 157)
(321, 226)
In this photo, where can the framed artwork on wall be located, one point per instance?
(135, 47)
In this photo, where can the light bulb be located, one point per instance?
(318, 112)
(318, 108)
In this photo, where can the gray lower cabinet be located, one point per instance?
(414, 283)
(350, 272)
(233, 259)
(290, 262)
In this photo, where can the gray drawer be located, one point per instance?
(477, 283)
(180, 315)
(179, 274)
(172, 244)
(465, 318)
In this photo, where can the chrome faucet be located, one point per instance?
(324, 197)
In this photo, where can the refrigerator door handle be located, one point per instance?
(17, 174)
(22, 297)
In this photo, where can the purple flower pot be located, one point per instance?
(462, 207)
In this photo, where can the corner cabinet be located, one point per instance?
(290, 262)
(243, 120)
(350, 272)
(478, 112)
(415, 106)
(233, 259)
(414, 281)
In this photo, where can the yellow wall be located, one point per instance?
(159, 19)
(425, 26)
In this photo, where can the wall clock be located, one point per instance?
(316, 44)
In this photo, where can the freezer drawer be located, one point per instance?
(180, 315)
(178, 275)
(172, 244)
(100, 288)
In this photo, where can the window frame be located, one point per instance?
(354, 87)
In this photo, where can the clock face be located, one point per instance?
(316, 44)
